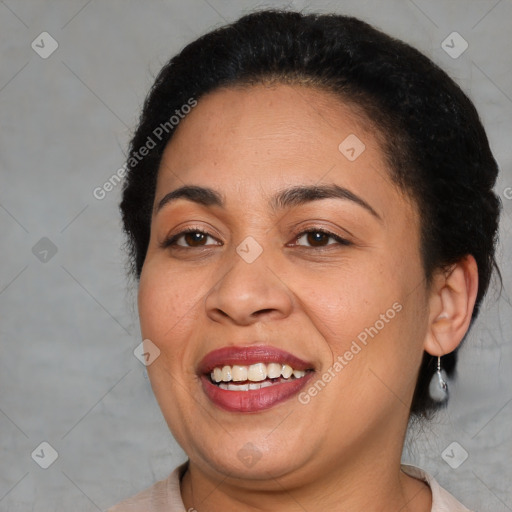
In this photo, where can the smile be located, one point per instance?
(268, 377)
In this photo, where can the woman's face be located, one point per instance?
(263, 286)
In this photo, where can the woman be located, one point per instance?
(311, 220)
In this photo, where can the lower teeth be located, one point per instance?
(249, 386)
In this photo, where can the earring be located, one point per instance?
(438, 388)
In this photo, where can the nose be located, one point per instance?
(248, 293)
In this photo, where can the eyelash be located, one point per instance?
(171, 241)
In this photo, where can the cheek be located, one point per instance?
(376, 310)
(341, 301)
(168, 305)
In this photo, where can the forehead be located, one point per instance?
(261, 138)
(267, 121)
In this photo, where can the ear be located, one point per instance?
(451, 302)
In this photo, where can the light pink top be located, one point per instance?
(165, 496)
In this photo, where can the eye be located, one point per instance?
(195, 238)
(192, 237)
(318, 237)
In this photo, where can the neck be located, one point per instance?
(369, 480)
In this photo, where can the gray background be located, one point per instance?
(68, 325)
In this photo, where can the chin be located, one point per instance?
(250, 457)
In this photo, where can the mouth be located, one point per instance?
(251, 379)
(255, 376)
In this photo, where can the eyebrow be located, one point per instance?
(287, 198)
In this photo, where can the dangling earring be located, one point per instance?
(438, 388)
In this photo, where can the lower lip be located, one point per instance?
(253, 400)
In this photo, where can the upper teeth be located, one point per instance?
(255, 372)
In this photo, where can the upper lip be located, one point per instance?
(245, 356)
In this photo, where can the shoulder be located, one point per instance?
(442, 500)
(163, 496)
